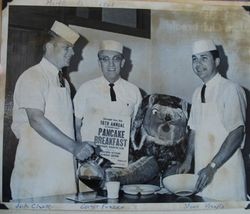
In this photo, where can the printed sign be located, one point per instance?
(111, 133)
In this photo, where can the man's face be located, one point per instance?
(63, 52)
(111, 63)
(204, 65)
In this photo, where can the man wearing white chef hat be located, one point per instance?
(217, 123)
(43, 123)
(108, 94)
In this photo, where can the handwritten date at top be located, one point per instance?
(79, 3)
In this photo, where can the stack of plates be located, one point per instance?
(143, 189)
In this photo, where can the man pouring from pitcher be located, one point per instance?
(43, 123)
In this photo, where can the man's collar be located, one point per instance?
(49, 66)
(107, 82)
(214, 80)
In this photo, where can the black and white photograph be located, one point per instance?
(121, 106)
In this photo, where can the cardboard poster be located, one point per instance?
(111, 134)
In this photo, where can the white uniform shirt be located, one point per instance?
(94, 97)
(31, 91)
(38, 161)
(231, 103)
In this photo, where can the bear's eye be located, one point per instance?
(154, 111)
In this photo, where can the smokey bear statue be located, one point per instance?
(158, 140)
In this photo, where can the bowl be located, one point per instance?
(181, 184)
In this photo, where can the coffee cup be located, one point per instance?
(113, 188)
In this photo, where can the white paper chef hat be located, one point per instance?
(111, 45)
(203, 46)
(65, 32)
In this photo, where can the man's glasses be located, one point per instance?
(115, 59)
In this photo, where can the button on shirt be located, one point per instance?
(230, 99)
(94, 97)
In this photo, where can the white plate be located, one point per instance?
(143, 189)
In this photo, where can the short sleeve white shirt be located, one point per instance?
(94, 97)
(230, 100)
(31, 91)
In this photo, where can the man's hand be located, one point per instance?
(205, 177)
(184, 167)
(83, 150)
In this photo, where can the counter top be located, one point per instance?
(101, 197)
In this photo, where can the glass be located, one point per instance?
(113, 188)
(115, 59)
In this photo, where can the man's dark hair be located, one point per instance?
(215, 54)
